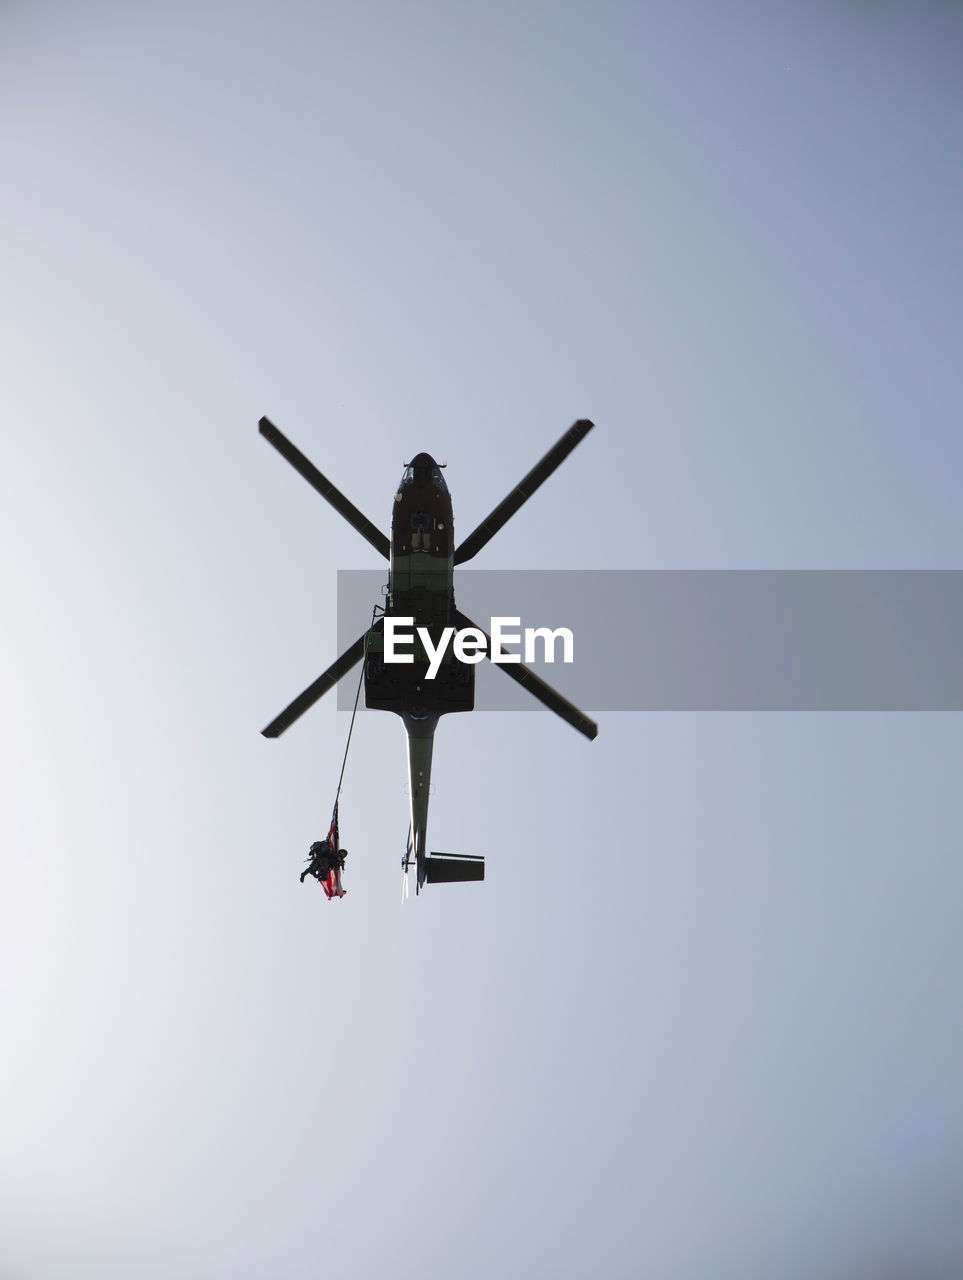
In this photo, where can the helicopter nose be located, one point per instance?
(423, 470)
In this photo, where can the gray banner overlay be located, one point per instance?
(711, 640)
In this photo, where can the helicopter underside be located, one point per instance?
(422, 556)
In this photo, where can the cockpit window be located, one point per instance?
(424, 470)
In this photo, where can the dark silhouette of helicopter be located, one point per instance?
(422, 556)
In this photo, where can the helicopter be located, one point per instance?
(421, 556)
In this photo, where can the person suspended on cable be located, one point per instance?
(323, 860)
(326, 861)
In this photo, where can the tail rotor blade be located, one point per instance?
(522, 492)
(405, 862)
(323, 485)
(527, 678)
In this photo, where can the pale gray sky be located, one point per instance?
(703, 1018)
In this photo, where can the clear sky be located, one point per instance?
(703, 1019)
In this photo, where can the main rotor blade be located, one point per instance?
(324, 486)
(304, 701)
(538, 475)
(536, 685)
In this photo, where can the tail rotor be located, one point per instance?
(405, 863)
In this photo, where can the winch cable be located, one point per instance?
(357, 696)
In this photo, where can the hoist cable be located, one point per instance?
(357, 696)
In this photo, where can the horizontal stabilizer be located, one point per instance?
(446, 868)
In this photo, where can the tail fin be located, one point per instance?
(446, 868)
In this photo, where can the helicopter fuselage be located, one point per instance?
(420, 587)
